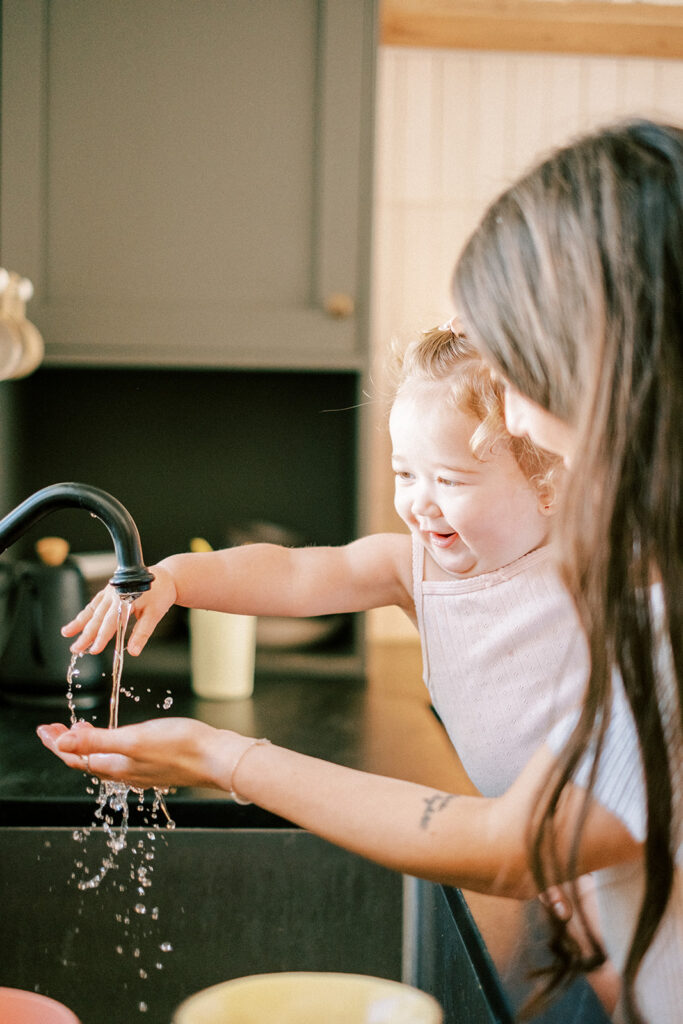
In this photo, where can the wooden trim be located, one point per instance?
(542, 26)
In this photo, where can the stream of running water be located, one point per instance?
(113, 814)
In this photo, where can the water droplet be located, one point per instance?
(142, 972)
(140, 908)
(166, 947)
(119, 949)
(142, 1007)
(168, 702)
(136, 953)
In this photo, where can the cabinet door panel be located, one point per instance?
(188, 183)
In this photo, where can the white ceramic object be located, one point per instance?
(222, 654)
(309, 998)
(11, 348)
(21, 344)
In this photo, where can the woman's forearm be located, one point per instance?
(407, 827)
(467, 841)
(410, 828)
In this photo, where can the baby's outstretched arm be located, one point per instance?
(258, 579)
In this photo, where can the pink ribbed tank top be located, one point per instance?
(504, 659)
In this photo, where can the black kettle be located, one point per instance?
(36, 599)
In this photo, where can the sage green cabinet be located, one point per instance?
(189, 183)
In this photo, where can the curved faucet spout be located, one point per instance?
(132, 576)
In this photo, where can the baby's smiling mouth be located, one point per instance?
(442, 540)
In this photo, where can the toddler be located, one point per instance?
(474, 573)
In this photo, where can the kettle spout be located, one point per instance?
(132, 577)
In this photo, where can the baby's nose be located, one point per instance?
(424, 505)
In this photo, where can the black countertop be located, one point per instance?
(382, 723)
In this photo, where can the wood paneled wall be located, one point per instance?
(453, 128)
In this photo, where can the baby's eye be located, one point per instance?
(403, 474)
(449, 483)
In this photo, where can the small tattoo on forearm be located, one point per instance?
(434, 804)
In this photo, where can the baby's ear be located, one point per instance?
(548, 498)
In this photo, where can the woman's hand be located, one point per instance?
(97, 622)
(162, 752)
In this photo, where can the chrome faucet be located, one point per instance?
(132, 577)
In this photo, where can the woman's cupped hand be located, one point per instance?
(158, 753)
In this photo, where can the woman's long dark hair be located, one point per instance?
(573, 286)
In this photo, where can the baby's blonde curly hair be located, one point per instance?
(444, 355)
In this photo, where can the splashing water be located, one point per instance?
(112, 806)
(112, 798)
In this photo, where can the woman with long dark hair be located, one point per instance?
(572, 287)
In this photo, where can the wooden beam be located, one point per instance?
(539, 26)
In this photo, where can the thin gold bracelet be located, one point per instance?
(231, 792)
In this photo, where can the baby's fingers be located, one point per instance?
(77, 624)
(86, 614)
(142, 630)
(96, 623)
(101, 628)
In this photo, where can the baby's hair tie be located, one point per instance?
(454, 326)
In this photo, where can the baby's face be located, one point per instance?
(472, 516)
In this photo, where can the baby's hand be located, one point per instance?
(98, 620)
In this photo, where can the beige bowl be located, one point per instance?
(309, 998)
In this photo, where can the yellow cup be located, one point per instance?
(309, 998)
